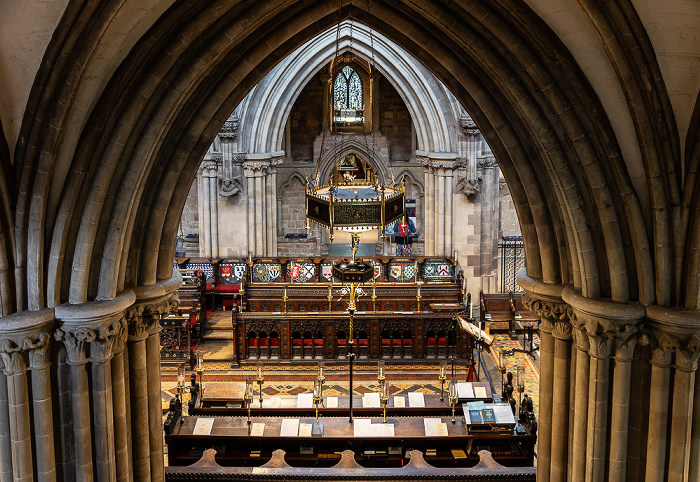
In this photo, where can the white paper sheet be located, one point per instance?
(416, 399)
(465, 390)
(331, 402)
(480, 392)
(429, 425)
(290, 427)
(503, 413)
(441, 429)
(305, 400)
(399, 402)
(362, 427)
(272, 402)
(203, 426)
(257, 430)
(387, 429)
(371, 400)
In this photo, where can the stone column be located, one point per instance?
(658, 408)
(269, 208)
(274, 207)
(254, 171)
(250, 193)
(5, 448)
(449, 200)
(440, 205)
(560, 399)
(89, 332)
(259, 213)
(42, 405)
(144, 351)
(605, 323)
(207, 174)
(138, 390)
(489, 222)
(682, 412)
(119, 404)
(555, 335)
(578, 463)
(214, 205)
(694, 472)
(626, 341)
(25, 343)
(428, 212)
(18, 404)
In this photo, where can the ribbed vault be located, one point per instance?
(117, 197)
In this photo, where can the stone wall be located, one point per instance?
(305, 120)
(293, 212)
(394, 121)
(510, 226)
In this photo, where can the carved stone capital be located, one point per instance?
(209, 168)
(562, 330)
(136, 323)
(423, 161)
(687, 354)
(106, 341)
(544, 308)
(601, 338)
(76, 343)
(38, 351)
(255, 168)
(662, 350)
(581, 339)
(13, 357)
(626, 342)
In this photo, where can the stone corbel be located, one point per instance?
(469, 187)
(662, 349)
(231, 180)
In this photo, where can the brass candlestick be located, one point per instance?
(384, 397)
(452, 389)
(502, 368)
(200, 372)
(181, 386)
(284, 299)
(442, 378)
(380, 372)
(520, 385)
(321, 377)
(248, 396)
(260, 380)
(318, 397)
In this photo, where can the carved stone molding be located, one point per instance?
(626, 341)
(423, 161)
(467, 123)
(486, 162)
(229, 130)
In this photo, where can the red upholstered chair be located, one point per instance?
(442, 341)
(296, 342)
(362, 341)
(226, 292)
(274, 342)
(342, 342)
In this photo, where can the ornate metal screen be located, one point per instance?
(512, 259)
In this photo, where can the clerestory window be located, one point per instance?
(348, 107)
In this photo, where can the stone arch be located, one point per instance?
(265, 110)
(375, 155)
(572, 224)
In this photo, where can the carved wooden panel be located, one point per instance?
(419, 340)
(374, 340)
(242, 345)
(285, 341)
(329, 343)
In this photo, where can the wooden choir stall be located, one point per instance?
(290, 309)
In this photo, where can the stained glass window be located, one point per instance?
(347, 89)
